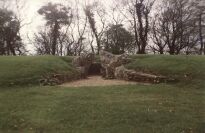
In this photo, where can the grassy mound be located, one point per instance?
(186, 69)
(160, 108)
(28, 70)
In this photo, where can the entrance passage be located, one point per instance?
(95, 69)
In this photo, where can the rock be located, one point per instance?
(113, 67)
(50, 80)
(110, 62)
(131, 75)
(83, 63)
(82, 71)
(120, 73)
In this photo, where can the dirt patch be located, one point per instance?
(97, 81)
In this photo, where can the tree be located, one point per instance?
(118, 40)
(10, 40)
(143, 10)
(81, 22)
(176, 27)
(92, 12)
(43, 42)
(56, 15)
(201, 20)
(157, 36)
(139, 11)
(91, 19)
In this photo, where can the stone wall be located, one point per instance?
(113, 68)
(83, 63)
(110, 62)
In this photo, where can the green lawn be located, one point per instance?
(29, 70)
(163, 108)
(188, 70)
(120, 109)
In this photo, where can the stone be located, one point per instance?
(131, 75)
(110, 62)
(82, 71)
(113, 67)
(120, 73)
(83, 63)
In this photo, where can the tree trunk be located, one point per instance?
(143, 30)
(92, 48)
(98, 43)
(55, 36)
(171, 51)
(161, 51)
(140, 50)
(200, 35)
(136, 34)
(11, 48)
(61, 49)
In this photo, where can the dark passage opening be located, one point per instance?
(95, 69)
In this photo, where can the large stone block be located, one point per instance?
(110, 62)
(113, 67)
(83, 63)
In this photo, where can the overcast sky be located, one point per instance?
(36, 21)
(33, 6)
(32, 19)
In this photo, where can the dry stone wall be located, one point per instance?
(83, 63)
(113, 67)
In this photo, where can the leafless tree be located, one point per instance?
(10, 38)
(137, 12)
(93, 12)
(157, 36)
(176, 27)
(56, 15)
(201, 26)
(115, 17)
(43, 42)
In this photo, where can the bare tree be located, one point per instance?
(21, 7)
(92, 12)
(116, 17)
(137, 12)
(56, 16)
(157, 36)
(43, 42)
(90, 41)
(176, 27)
(201, 21)
(81, 22)
(10, 39)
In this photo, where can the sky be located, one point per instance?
(36, 21)
(33, 6)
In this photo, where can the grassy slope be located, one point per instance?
(28, 70)
(173, 66)
(163, 108)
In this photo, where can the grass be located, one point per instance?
(120, 109)
(189, 70)
(29, 70)
(162, 108)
